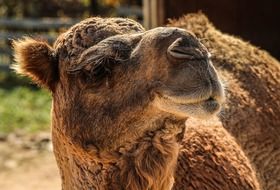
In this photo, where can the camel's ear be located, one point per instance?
(37, 60)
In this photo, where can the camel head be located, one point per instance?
(109, 90)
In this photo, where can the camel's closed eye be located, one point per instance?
(98, 62)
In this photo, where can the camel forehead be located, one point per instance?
(90, 32)
(171, 33)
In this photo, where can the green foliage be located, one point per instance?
(23, 108)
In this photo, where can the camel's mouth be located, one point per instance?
(210, 103)
(202, 107)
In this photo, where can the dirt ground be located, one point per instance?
(27, 163)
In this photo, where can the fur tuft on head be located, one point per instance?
(37, 60)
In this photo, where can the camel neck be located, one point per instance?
(148, 163)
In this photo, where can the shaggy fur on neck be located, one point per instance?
(149, 163)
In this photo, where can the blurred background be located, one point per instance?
(26, 160)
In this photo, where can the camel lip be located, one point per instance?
(209, 104)
(202, 108)
(186, 100)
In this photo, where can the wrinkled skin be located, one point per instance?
(121, 96)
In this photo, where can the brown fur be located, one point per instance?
(252, 113)
(209, 158)
(120, 105)
(147, 164)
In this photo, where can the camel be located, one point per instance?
(252, 112)
(121, 99)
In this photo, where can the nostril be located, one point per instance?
(179, 49)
